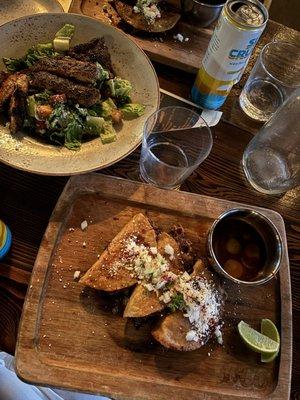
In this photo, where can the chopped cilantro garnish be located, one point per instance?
(177, 302)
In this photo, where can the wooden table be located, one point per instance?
(26, 203)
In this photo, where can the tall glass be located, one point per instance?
(272, 80)
(175, 141)
(271, 161)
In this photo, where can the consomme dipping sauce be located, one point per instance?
(245, 246)
(240, 249)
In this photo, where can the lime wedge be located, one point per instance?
(257, 341)
(269, 329)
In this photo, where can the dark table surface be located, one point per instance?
(27, 201)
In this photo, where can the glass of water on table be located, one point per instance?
(175, 141)
(271, 160)
(272, 80)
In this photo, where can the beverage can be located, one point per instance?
(239, 27)
(5, 239)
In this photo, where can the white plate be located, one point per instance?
(129, 62)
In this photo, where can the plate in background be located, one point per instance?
(129, 61)
(12, 9)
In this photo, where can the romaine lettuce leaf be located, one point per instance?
(119, 88)
(132, 110)
(33, 55)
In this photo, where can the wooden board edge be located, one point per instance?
(283, 388)
(39, 273)
(75, 185)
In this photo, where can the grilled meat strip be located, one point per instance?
(17, 110)
(10, 84)
(17, 105)
(68, 67)
(83, 95)
(22, 83)
(7, 88)
(93, 51)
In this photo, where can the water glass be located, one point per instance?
(274, 77)
(271, 161)
(175, 141)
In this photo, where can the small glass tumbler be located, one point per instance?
(175, 141)
(271, 160)
(272, 80)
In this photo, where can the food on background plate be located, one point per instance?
(66, 95)
(188, 307)
(143, 15)
(148, 15)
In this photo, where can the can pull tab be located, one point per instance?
(249, 14)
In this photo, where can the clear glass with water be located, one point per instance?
(274, 77)
(271, 161)
(175, 141)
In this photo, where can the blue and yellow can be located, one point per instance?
(238, 29)
(5, 239)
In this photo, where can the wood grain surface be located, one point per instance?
(27, 201)
(76, 338)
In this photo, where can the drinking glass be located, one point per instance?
(273, 78)
(271, 161)
(175, 141)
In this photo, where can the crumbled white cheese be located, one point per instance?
(149, 10)
(165, 297)
(192, 336)
(170, 251)
(219, 335)
(202, 304)
(153, 250)
(76, 275)
(148, 265)
(181, 38)
(178, 37)
(84, 225)
(149, 287)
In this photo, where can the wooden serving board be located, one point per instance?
(75, 338)
(163, 48)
